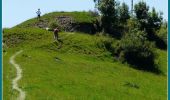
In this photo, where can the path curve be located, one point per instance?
(18, 76)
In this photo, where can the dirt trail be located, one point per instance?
(18, 76)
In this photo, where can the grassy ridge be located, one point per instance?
(82, 69)
(78, 17)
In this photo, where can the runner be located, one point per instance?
(56, 34)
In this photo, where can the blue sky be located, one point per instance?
(17, 11)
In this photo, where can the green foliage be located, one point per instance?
(141, 10)
(106, 42)
(136, 50)
(154, 24)
(154, 20)
(162, 33)
(148, 20)
(109, 14)
(132, 24)
(54, 24)
(124, 13)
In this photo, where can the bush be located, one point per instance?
(136, 50)
(54, 24)
(105, 41)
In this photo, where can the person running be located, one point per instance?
(56, 38)
(38, 14)
(56, 34)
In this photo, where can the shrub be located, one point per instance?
(105, 42)
(53, 24)
(136, 50)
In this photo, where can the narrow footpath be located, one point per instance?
(18, 76)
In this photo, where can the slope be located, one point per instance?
(82, 68)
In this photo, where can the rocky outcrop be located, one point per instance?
(68, 24)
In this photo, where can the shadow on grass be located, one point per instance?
(148, 67)
(153, 68)
(145, 63)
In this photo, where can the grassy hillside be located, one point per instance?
(82, 68)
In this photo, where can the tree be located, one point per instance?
(150, 22)
(135, 49)
(141, 10)
(108, 12)
(154, 20)
(124, 13)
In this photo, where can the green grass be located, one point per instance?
(78, 17)
(83, 69)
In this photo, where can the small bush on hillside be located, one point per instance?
(54, 24)
(136, 50)
(105, 42)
